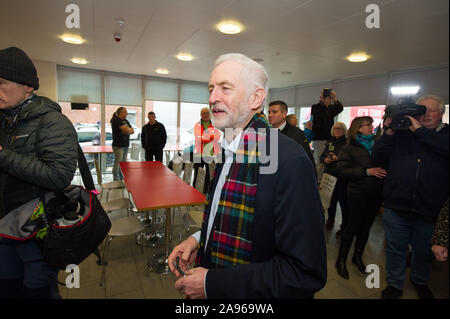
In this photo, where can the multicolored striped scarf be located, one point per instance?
(231, 234)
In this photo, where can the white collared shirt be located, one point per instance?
(281, 127)
(229, 149)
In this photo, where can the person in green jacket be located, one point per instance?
(38, 151)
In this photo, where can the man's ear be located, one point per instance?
(257, 98)
(29, 89)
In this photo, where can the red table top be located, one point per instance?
(155, 165)
(154, 186)
(173, 148)
(94, 149)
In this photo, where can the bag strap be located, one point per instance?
(85, 173)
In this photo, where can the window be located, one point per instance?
(190, 114)
(305, 116)
(87, 126)
(80, 118)
(166, 113)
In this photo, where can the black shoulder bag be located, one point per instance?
(73, 222)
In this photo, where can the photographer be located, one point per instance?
(323, 114)
(415, 189)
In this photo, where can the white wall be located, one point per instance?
(369, 90)
(47, 79)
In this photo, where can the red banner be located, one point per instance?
(374, 111)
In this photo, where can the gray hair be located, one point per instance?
(433, 97)
(255, 72)
(339, 124)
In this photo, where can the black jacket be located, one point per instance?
(297, 135)
(39, 152)
(332, 146)
(153, 137)
(323, 119)
(288, 245)
(353, 161)
(417, 166)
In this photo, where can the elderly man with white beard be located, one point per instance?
(262, 234)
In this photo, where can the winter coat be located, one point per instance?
(417, 171)
(323, 119)
(39, 152)
(353, 162)
(332, 146)
(153, 137)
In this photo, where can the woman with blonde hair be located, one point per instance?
(363, 191)
(329, 158)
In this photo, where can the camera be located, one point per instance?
(397, 113)
(326, 93)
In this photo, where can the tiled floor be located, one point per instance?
(127, 275)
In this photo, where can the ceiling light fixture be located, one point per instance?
(230, 27)
(184, 56)
(405, 90)
(162, 71)
(79, 60)
(358, 57)
(72, 38)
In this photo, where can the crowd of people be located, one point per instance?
(263, 231)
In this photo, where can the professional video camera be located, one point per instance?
(398, 111)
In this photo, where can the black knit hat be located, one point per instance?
(16, 66)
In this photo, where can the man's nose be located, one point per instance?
(213, 96)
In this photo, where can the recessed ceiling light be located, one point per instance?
(184, 56)
(230, 27)
(162, 71)
(72, 38)
(358, 57)
(79, 60)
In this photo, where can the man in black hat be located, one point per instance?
(38, 151)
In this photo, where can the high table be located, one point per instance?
(153, 186)
(98, 150)
(147, 170)
(168, 149)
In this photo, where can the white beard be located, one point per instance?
(231, 120)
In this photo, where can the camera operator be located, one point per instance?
(415, 188)
(323, 114)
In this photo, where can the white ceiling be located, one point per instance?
(309, 38)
